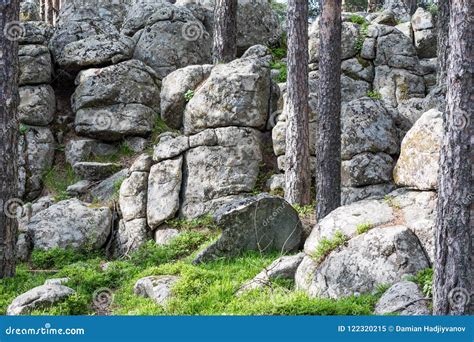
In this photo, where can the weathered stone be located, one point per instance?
(80, 150)
(107, 189)
(133, 196)
(136, 144)
(422, 20)
(70, 224)
(397, 51)
(380, 256)
(130, 236)
(142, 163)
(402, 298)
(353, 194)
(40, 297)
(358, 69)
(261, 223)
(418, 163)
(174, 89)
(56, 281)
(367, 169)
(37, 105)
(79, 188)
(165, 236)
(426, 43)
(36, 32)
(30, 10)
(95, 170)
(35, 65)
(157, 288)
(164, 186)
(170, 148)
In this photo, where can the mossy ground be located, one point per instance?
(205, 289)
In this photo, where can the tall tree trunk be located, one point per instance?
(49, 12)
(328, 149)
(298, 174)
(454, 274)
(11, 29)
(372, 6)
(411, 6)
(225, 31)
(443, 42)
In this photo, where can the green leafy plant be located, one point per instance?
(374, 95)
(24, 128)
(188, 95)
(424, 279)
(326, 246)
(357, 19)
(364, 228)
(283, 70)
(305, 210)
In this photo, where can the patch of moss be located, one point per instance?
(326, 246)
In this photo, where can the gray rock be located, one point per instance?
(164, 186)
(79, 188)
(347, 218)
(418, 163)
(101, 49)
(165, 236)
(406, 29)
(70, 224)
(35, 65)
(174, 88)
(142, 163)
(137, 144)
(402, 298)
(56, 281)
(170, 148)
(422, 20)
(261, 223)
(207, 137)
(396, 50)
(282, 268)
(130, 236)
(399, 8)
(235, 94)
(356, 68)
(94, 170)
(368, 126)
(386, 17)
(380, 256)
(133, 196)
(107, 189)
(158, 288)
(81, 150)
(213, 173)
(40, 297)
(36, 155)
(276, 182)
(368, 49)
(353, 194)
(36, 32)
(367, 169)
(37, 105)
(23, 247)
(426, 43)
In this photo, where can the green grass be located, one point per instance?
(424, 279)
(188, 95)
(279, 52)
(283, 70)
(363, 32)
(374, 95)
(305, 209)
(357, 19)
(57, 179)
(364, 228)
(326, 246)
(123, 151)
(203, 222)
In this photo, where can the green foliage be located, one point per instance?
(283, 70)
(391, 201)
(357, 19)
(123, 151)
(279, 53)
(200, 223)
(326, 246)
(374, 95)
(363, 31)
(188, 95)
(57, 258)
(433, 9)
(24, 128)
(424, 279)
(305, 210)
(117, 185)
(364, 228)
(57, 179)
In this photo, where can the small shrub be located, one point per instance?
(424, 279)
(279, 53)
(326, 246)
(283, 71)
(357, 19)
(305, 210)
(374, 95)
(364, 228)
(58, 258)
(188, 95)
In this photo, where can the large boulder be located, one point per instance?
(35, 65)
(394, 49)
(216, 173)
(235, 94)
(40, 297)
(36, 32)
(37, 105)
(380, 256)
(116, 101)
(261, 223)
(419, 156)
(425, 37)
(403, 298)
(168, 37)
(36, 148)
(174, 89)
(70, 224)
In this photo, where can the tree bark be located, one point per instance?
(225, 31)
(443, 42)
(9, 99)
(328, 148)
(298, 174)
(49, 11)
(372, 6)
(454, 274)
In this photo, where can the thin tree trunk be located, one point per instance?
(328, 149)
(49, 12)
(298, 174)
(371, 6)
(9, 26)
(225, 31)
(454, 274)
(443, 42)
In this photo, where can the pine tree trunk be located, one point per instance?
(371, 6)
(443, 42)
(49, 12)
(225, 31)
(454, 274)
(328, 149)
(9, 16)
(298, 174)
